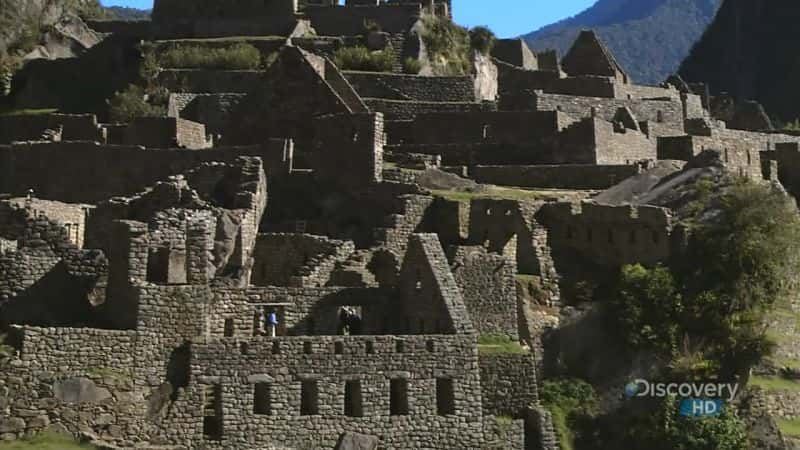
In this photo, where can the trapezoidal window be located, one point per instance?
(398, 397)
(445, 397)
(262, 399)
(212, 412)
(309, 398)
(353, 404)
(228, 328)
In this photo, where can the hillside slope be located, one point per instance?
(650, 38)
(750, 52)
(27, 24)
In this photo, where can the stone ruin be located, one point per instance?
(139, 262)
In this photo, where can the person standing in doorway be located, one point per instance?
(272, 323)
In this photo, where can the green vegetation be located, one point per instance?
(131, 103)
(360, 58)
(497, 192)
(482, 39)
(493, 344)
(775, 383)
(448, 45)
(789, 428)
(742, 250)
(239, 56)
(28, 112)
(46, 441)
(572, 403)
(109, 373)
(412, 66)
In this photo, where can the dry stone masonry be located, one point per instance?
(388, 221)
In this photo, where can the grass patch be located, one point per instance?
(46, 441)
(130, 104)
(29, 112)
(448, 46)
(789, 427)
(775, 383)
(109, 373)
(360, 58)
(496, 192)
(412, 66)
(235, 57)
(499, 344)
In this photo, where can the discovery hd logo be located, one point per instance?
(697, 399)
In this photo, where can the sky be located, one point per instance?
(507, 18)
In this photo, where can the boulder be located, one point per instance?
(12, 425)
(79, 390)
(356, 441)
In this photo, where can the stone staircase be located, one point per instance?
(353, 272)
(398, 43)
(400, 225)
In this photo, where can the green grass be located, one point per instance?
(789, 427)
(498, 344)
(360, 58)
(235, 57)
(499, 193)
(109, 373)
(775, 383)
(46, 441)
(28, 112)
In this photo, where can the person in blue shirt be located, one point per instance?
(272, 323)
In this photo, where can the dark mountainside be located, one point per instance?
(650, 38)
(750, 52)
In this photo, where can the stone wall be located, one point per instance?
(80, 379)
(165, 132)
(73, 127)
(515, 128)
(288, 259)
(207, 81)
(608, 236)
(412, 87)
(487, 283)
(351, 144)
(576, 176)
(509, 383)
(349, 21)
(71, 172)
(71, 216)
(616, 145)
(407, 110)
(172, 10)
(739, 150)
(212, 110)
(666, 111)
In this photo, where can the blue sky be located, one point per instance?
(508, 18)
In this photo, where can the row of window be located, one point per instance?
(633, 236)
(309, 401)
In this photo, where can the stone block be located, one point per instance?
(79, 390)
(356, 441)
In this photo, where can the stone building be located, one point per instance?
(139, 262)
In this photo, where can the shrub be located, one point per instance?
(482, 39)
(412, 66)
(741, 260)
(130, 104)
(360, 58)
(448, 45)
(234, 57)
(572, 402)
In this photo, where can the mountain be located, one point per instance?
(125, 13)
(751, 52)
(650, 38)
